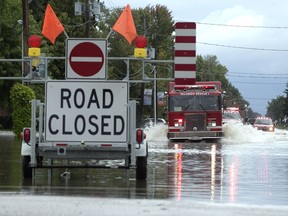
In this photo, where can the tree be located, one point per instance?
(209, 69)
(157, 25)
(20, 97)
(275, 109)
(10, 48)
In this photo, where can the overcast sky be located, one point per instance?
(256, 55)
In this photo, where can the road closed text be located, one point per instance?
(93, 125)
(94, 112)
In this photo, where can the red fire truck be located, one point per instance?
(194, 111)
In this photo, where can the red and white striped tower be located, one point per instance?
(185, 53)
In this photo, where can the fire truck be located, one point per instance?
(232, 115)
(195, 111)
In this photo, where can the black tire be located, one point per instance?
(26, 169)
(141, 168)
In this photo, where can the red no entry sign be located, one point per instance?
(86, 59)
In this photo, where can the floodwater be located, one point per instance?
(246, 167)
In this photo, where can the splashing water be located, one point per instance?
(156, 132)
(233, 133)
(238, 133)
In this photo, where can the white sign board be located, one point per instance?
(86, 111)
(86, 58)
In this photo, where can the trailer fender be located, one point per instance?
(141, 150)
(25, 149)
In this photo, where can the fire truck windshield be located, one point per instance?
(182, 103)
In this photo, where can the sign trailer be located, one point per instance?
(87, 118)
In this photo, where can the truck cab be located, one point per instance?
(231, 115)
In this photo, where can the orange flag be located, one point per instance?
(125, 25)
(52, 27)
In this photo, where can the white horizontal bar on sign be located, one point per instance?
(184, 60)
(86, 59)
(185, 46)
(185, 74)
(185, 32)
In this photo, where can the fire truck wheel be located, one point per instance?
(141, 168)
(26, 170)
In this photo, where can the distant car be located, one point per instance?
(148, 122)
(231, 116)
(264, 124)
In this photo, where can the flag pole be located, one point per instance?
(109, 34)
(66, 34)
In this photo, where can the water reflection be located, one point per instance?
(233, 178)
(87, 182)
(196, 170)
(231, 172)
(257, 172)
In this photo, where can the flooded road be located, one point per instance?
(247, 167)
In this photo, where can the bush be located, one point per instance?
(20, 97)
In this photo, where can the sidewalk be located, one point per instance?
(14, 205)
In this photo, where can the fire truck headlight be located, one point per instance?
(212, 124)
(178, 122)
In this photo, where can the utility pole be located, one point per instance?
(87, 18)
(25, 29)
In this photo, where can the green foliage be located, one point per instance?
(10, 34)
(20, 97)
(10, 46)
(209, 69)
(276, 109)
(285, 110)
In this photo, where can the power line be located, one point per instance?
(268, 74)
(260, 83)
(258, 105)
(243, 26)
(257, 99)
(240, 47)
(261, 77)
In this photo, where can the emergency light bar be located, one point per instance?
(232, 108)
(191, 87)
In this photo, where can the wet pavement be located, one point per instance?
(248, 167)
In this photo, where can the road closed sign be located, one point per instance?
(86, 58)
(86, 111)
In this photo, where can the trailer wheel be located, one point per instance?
(141, 168)
(26, 169)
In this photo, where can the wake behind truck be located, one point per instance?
(84, 124)
(195, 111)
